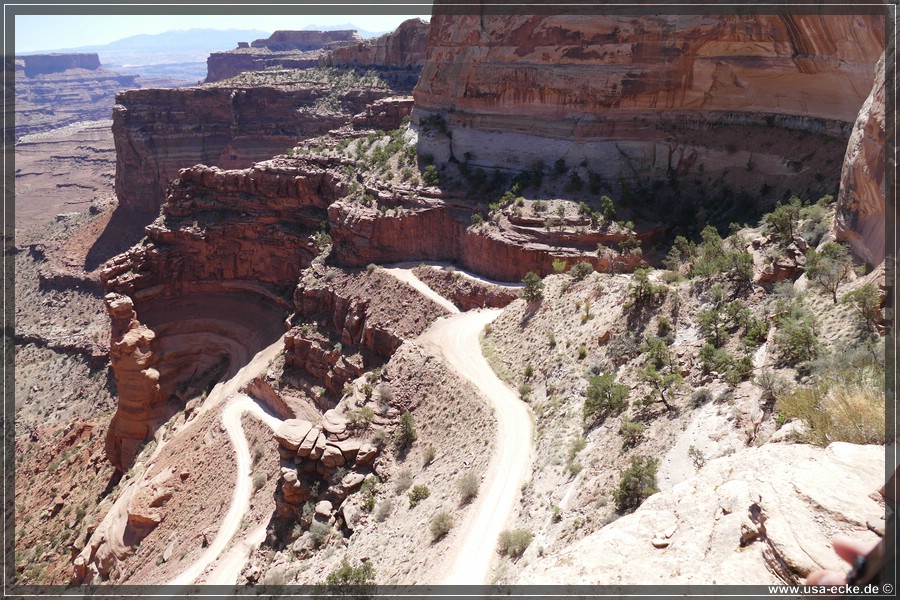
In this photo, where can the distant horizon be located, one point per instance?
(53, 33)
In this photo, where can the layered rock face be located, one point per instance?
(860, 217)
(42, 64)
(53, 91)
(284, 49)
(214, 272)
(160, 131)
(642, 97)
(403, 48)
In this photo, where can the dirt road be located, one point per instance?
(457, 339)
(240, 499)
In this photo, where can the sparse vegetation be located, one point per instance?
(406, 434)
(534, 287)
(348, 580)
(441, 524)
(865, 300)
(632, 433)
(604, 398)
(417, 494)
(467, 485)
(829, 268)
(514, 542)
(636, 484)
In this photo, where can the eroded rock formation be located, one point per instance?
(160, 131)
(42, 64)
(644, 98)
(404, 47)
(860, 217)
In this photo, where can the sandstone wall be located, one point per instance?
(306, 40)
(404, 47)
(861, 216)
(634, 97)
(159, 131)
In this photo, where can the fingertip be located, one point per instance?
(824, 577)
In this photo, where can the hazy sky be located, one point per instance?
(47, 32)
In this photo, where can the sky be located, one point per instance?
(52, 32)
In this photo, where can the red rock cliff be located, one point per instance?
(622, 94)
(860, 217)
(404, 47)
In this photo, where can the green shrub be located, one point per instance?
(559, 265)
(477, 219)
(865, 300)
(700, 397)
(406, 432)
(467, 485)
(417, 494)
(441, 524)
(632, 433)
(603, 399)
(513, 543)
(829, 268)
(319, 533)
(581, 270)
(772, 385)
(636, 484)
(642, 291)
(534, 287)
(347, 580)
(430, 176)
(796, 340)
(781, 222)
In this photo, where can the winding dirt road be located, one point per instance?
(240, 500)
(456, 338)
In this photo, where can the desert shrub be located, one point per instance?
(406, 432)
(559, 265)
(534, 287)
(814, 224)
(772, 384)
(417, 494)
(259, 480)
(642, 291)
(467, 485)
(581, 270)
(525, 390)
(845, 404)
(604, 398)
(700, 397)
(796, 340)
(632, 433)
(477, 219)
(361, 418)
(428, 456)
(582, 352)
(697, 457)
(665, 384)
(383, 509)
(347, 580)
(829, 268)
(319, 533)
(514, 542)
(636, 484)
(441, 524)
(403, 481)
(865, 300)
(657, 352)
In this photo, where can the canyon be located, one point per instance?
(261, 308)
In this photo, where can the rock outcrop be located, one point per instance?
(651, 97)
(402, 48)
(750, 518)
(214, 272)
(159, 131)
(283, 49)
(860, 217)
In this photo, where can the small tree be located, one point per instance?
(347, 580)
(866, 300)
(781, 221)
(406, 432)
(534, 287)
(712, 325)
(604, 398)
(664, 384)
(638, 482)
(829, 268)
(581, 270)
(607, 209)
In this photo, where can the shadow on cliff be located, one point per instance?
(124, 230)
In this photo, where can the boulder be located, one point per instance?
(308, 442)
(332, 456)
(291, 433)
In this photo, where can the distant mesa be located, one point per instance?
(285, 49)
(43, 64)
(283, 41)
